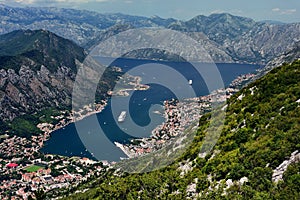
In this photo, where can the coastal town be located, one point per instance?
(26, 173)
(178, 116)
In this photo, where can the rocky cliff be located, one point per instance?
(37, 70)
(241, 39)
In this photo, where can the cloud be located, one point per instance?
(128, 1)
(276, 9)
(284, 11)
(25, 1)
(234, 12)
(288, 12)
(217, 11)
(56, 1)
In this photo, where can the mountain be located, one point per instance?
(264, 42)
(37, 70)
(37, 73)
(257, 155)
(78, 25)
(43, 47)
(272, 22)
(231, 39)
(217, 27)
(243, 39)
(289, 56)
(226, 37)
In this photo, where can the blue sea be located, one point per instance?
(167, 80)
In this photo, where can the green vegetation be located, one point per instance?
(261, 130)
(25, 125)
(41, 46)
(33, 168)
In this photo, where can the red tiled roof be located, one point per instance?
(10, 165)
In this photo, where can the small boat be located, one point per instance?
(122, 116)
(190, 82)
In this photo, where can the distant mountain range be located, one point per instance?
(226, 37)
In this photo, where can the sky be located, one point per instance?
(278, 10)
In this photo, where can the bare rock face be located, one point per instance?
(3, 77)
(29, 90)
(291, 54)
(37, 73)
(278, 172)
(265, 42)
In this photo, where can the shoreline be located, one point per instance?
(48, 128)
(174, 129)
(86, 111)
(177, 116)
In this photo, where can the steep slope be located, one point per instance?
(261, 131)
(218, 27)
(37, 69)
(291, 54)
(43, 47)
(264, 42)
(37, 72)
(243, 39)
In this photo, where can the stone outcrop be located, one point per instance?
(278, 172)
(27, 90)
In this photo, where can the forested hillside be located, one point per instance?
(261, 131)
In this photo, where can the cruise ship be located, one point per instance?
(122, 116)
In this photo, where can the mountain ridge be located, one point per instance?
(39, 76)
(35, 44)
(237, 39)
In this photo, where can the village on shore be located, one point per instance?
(26, 172)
